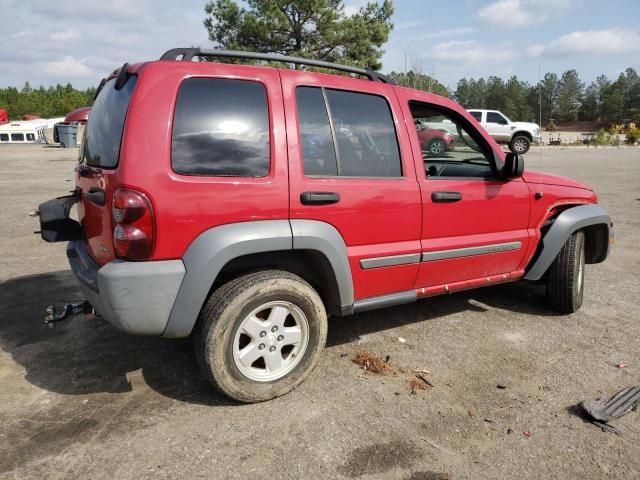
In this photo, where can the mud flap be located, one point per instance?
(55, 223)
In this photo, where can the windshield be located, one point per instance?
(104, 128)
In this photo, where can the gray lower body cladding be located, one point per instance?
(165, 297)
(135, 297)
(568, 222)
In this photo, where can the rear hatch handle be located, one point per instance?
(97, 196)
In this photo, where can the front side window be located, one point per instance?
(17, 137)
(221, 128)
(495, 117)
(347, 134)
(449, 147)
(31, 137)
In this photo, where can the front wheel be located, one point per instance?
(437, 147)
(261, 335)
(520, 144)
(565, 280)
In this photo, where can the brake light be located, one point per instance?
(133, 231)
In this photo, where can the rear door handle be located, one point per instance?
(319, 198)
(446, 197)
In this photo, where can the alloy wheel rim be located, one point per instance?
(436, 147)
(271, 341)
(520, 145)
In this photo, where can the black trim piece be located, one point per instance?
(390, 260)
(384, 301)
(333, 132)
(187, 55)
(446, 197)
(123, 77)
(319, 198)
(99, 89)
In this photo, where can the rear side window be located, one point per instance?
(17, 137)
(221, 128)
(318, 152)
(347, 134)
(104, 129)
(4, 137)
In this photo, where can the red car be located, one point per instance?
(80, 115)
(243, 204)
(435, 142)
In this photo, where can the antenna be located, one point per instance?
(540, 125)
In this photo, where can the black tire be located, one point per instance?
(565, 279)
(223, 315)
(520, 144)
(437, 146)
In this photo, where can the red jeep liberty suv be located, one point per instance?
(243, 204)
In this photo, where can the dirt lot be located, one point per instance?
(83, 400)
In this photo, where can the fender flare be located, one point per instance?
(213, 249)
(568, 222)
(324, 238)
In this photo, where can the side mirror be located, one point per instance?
(513, 166)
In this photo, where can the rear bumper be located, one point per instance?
(135, 297)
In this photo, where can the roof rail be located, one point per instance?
(187, 55)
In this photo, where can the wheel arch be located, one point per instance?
(310, 265)
(316, 252)
(596, 223)
(522, 133)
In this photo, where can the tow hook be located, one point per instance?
(68, 309)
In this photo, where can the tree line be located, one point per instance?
(55, 101)
(561, 99)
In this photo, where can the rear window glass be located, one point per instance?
(221, 128)
(104, 130)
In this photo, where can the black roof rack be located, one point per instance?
(187, 55)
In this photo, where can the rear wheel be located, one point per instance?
(520, 144)
(565, 280)
(261, 335)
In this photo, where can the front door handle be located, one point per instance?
(319, 198)
(446, 197)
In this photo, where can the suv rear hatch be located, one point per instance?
(97, 172)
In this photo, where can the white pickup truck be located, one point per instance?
(518, 135)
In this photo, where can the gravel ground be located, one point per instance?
(83, 400)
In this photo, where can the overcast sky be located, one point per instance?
(51, 41)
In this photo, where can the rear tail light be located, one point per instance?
(133, 231)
